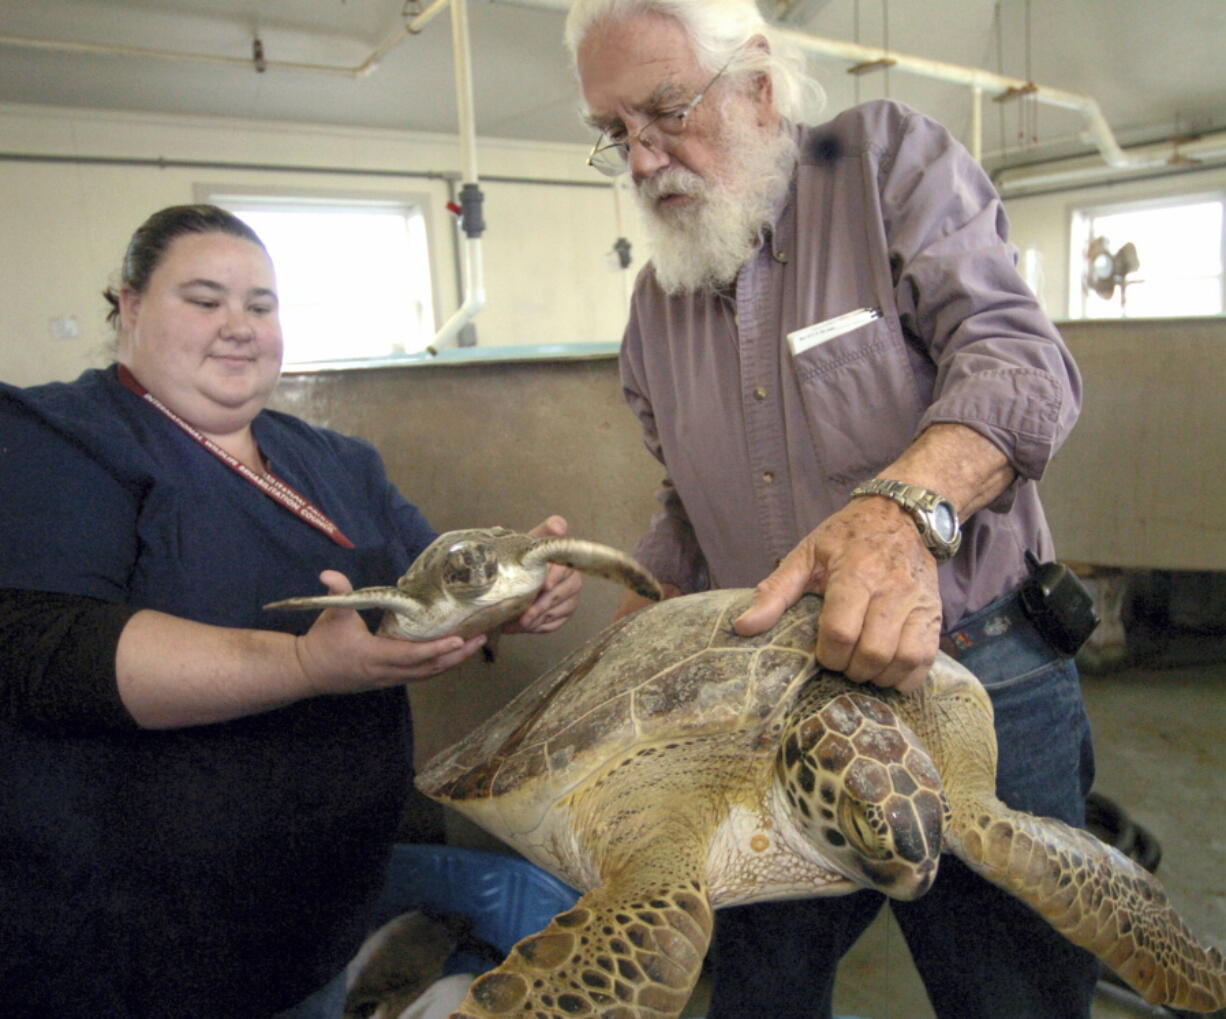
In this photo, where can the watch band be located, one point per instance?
(933, 514)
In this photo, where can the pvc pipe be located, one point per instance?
(362, 70)
(474, 278)
(413, 27)
(1097, 128)
(114, 49)
(1171, 155)
(474, 297)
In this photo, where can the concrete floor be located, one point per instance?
(1160, 737)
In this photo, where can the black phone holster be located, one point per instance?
(1058, 603)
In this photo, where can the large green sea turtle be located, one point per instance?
(671, 767)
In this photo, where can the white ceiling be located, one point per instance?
(1156, 69)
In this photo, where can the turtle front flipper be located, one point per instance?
(628, 950)
(1097, 898)
(598, 560)
(390, 598)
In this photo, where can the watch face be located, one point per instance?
(944, 521)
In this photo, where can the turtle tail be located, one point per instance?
(1097, 898)
(598, 560)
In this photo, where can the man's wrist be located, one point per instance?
(934, 515)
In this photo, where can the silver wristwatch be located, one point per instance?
(934, 515)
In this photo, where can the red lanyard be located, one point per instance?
(268, 483)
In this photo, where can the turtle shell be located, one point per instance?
(671, 671)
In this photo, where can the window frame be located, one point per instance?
(1081, 232)
(274, 195)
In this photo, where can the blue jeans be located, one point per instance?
(981, 953)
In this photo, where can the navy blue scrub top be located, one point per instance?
(215, 870)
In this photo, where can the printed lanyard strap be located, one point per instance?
(268, 483)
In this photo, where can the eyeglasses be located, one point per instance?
(612, 158)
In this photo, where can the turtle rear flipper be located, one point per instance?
(631, 948)
(598, 560)
(1099, 899)
(614, 956)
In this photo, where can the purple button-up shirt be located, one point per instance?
(887, 214)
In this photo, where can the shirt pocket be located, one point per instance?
(861, 399)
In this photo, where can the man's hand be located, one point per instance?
(558, 597)
(881, 618)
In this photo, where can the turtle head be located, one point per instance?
(469, 568)
(862, 789)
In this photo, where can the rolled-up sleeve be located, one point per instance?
(1002, 367)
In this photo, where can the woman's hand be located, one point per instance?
(340, 655)
(559, 595)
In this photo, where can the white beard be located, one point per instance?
(705, 243)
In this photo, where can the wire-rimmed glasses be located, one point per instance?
(612, 158)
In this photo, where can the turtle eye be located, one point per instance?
(854, 823)
(470, 565)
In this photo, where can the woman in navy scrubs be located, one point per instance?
(197, 797)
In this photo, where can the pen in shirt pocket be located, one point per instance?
(804, 339)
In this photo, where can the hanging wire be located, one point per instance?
(1032, 99)
(885, 31)
(856, 78)
(998, 18)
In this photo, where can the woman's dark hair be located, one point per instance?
(151, 239)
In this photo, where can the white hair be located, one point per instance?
(719, 31)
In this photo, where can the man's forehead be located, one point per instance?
(633, 63)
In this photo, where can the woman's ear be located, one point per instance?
(129, 307)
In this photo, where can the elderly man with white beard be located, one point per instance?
(834, 357)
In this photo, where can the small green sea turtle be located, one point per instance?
(671, 767)
(468, 582)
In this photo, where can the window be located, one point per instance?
(1148, 260)
(353, 275)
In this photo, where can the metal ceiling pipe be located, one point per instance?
(361, 70)
(1097, 131)
(1171, 156)
(116, 50)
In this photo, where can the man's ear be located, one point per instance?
(763, 86)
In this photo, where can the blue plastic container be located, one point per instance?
(506, 897)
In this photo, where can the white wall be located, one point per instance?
(64, 226)
(1042, 221)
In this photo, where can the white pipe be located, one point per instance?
(113, 49)
(461, 50)
(361, 70)
(1097, 130)
(474, 297)
(1207, 148)
(412, 27)
(474, 278)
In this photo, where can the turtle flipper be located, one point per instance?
(1098, 899)
(623, 952)
(598, 560)
(390, 598)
